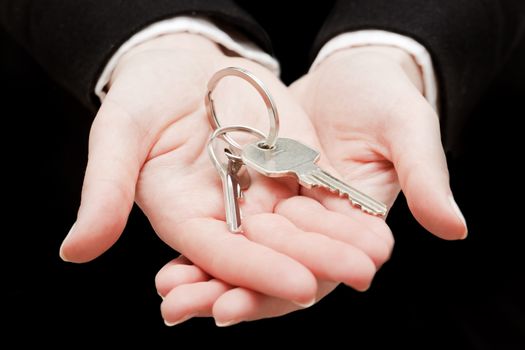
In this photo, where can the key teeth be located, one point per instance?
(343, 194)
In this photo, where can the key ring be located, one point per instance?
(270, 139)
(221, 132)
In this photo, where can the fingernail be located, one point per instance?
(226, 323)
(179, 321)
(363, 289)
(61, 251)
(305, 305)
(459, 215)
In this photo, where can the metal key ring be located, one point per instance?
(221, 132)
(271, 138)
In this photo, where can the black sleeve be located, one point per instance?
(469, 41)
(73, 39)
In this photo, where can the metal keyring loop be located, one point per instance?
(271, 138)
(221, 132)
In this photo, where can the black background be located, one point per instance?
(467, 294)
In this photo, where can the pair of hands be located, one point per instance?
(362, 108)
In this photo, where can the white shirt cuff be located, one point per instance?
(195, 25)
(381, 37)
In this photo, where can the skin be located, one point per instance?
(148, 145)
(367, 137)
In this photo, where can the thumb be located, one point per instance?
(420, 162)
(109, 185)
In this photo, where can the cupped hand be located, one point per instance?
(148, 144)
(379, 131)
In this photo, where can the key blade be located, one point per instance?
(320, 178)
(305, 176)
(358, 198)
(231, 193)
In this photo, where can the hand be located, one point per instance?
(376, 128)
(148, 144)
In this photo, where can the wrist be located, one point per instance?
(185, 43)
(177, 41)
(381, 53)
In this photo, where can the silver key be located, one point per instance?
(291, 158)
(234, 180)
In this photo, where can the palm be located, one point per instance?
(380, 133)
(351, 107)
(178, 187)
(178, 182)
(349, 146)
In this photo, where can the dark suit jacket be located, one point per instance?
(469, 291)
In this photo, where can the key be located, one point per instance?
(234, 180)
(232, 193)
(291, 158)
(234, 177)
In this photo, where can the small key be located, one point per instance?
(232, 192)
(291, 158)
(234, 180)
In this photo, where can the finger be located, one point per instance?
(419, 159)
(327, 258)
(177, 272)
(234, 259)
(190, 300)
(115, 157)
(240, 304)
(309, 215)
